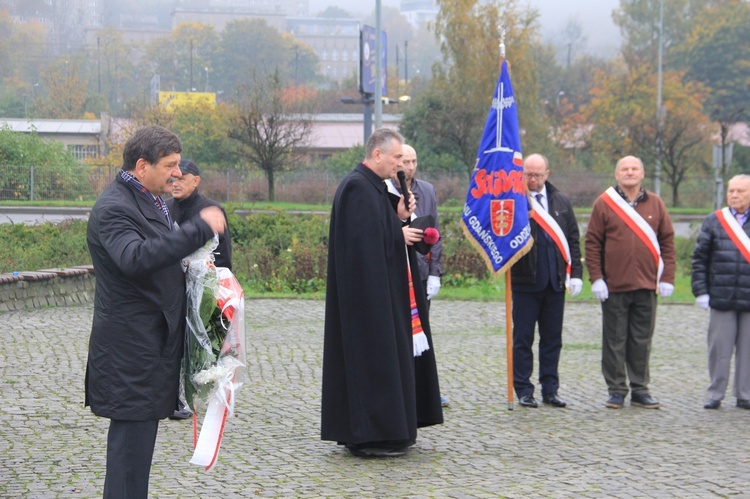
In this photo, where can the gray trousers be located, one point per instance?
(728, 331)
(628, 320)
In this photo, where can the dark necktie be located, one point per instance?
(538, 197)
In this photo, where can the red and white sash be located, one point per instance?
(637, 224)
(734, 231)
(555, 233)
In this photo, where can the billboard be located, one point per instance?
(170, 100)
(367, 60)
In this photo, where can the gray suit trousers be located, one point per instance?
(728, 331)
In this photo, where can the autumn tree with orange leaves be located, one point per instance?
(622, 109)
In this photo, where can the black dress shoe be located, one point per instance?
(712, 404)
(376, 452)
(743, 404)
(527, 401)
(181, 414)
(553, 400)
(644, 400)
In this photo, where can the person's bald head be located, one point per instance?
(410, 163)
(535, 172)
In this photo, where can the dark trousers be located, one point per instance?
(628, 320)
(545, 308)
(130, 448)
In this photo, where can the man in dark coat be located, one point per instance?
(187, 202)
(721, 283)
(369, 398)
(538, 282)
(137, 335)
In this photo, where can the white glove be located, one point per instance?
(600, 290)
(576, 285)
(433, 286)
(665, 289)
(702, 302)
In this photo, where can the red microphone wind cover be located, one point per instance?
(431, 235)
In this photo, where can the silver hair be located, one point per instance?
(382, 139)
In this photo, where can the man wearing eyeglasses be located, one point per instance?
(538, 282)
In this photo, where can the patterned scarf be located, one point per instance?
(157, 200)
(642, 196)
(420, 339)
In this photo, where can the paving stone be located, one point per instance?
(51, 446)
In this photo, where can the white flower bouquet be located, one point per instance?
(214, 362)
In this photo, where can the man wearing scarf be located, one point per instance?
(369, 401)
(137, 335)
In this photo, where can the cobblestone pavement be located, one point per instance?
(50, 446)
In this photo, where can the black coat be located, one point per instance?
(523, 271)
(369, 392)
(719, 269)
(137, 335)
(185, 209)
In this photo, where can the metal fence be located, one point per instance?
(304, 185)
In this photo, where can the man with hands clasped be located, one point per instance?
(538, 282)
(430, 265)
(721, 283)
(630, 256)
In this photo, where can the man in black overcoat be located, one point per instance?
(137, 335)
(369, 398)
(187, 202)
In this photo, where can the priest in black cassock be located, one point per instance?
(369, 385)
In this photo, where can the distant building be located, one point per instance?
(220, 17)
(86, 139)
(280, 7)
(334, 41)
(419, 12)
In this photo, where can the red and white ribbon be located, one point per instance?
(637, 224)
(555, 233)
(734, 231)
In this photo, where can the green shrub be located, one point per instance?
(280, 252)
(273, 252)
(462, 264)
(43, 246)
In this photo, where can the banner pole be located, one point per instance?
(509, 337)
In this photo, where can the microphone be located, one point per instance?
(404, 189)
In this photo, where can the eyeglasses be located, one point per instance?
(534, 175)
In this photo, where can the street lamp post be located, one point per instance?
(378, 67)
(659, 111)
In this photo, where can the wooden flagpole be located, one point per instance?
(509, 337)
(508, 293)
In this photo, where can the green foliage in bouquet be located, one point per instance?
(201, 358)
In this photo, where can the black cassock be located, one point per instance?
(370, 390)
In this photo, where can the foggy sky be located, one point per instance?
(603, 37)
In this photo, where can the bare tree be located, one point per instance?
(271, 126)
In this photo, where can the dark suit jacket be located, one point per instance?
(137, 335)
(523, 273)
